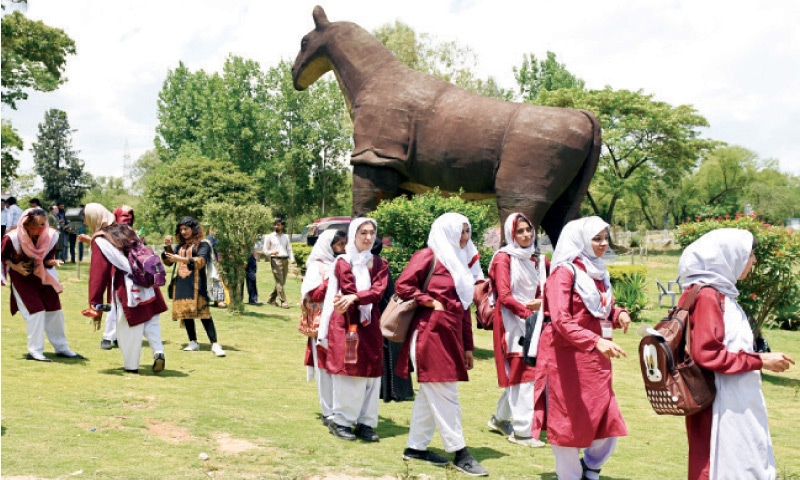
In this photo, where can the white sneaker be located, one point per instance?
(526, 441)
(192, 347)
(217, 349)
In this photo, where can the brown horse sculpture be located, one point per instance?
(413, 132)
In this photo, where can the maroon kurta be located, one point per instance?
(100, 275)
(370, 339)
(37, 296)
(581, 406)
(519, 371)
(317, 296)
(708, 350)
(443, 336)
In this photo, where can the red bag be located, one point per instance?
(485, 299)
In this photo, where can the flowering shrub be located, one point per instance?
(766, 295)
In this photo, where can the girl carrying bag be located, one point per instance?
(396, 317)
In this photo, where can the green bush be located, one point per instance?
(301, 252)
(623, 273)
(629, 293)
(766, 294)
(236, 228)
(408, 221)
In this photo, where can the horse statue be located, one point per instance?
(413, 132)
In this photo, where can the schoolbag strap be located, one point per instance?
(430, 274)
(687, 301)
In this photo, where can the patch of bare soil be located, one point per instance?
(168, 432)
(227, 444)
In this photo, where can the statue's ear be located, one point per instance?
(320, 19)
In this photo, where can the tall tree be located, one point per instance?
(34, 56)
(57, 163)
(644, 140)
(12, 146)
(534, 76)
(308, 140)
(446, 60)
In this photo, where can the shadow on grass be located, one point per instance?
(2, 431)
(482, 354)
(388, 428)
(549, 475)
(780, 381)
(144, 372)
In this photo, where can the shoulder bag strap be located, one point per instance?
(430, 274)
(686, 305)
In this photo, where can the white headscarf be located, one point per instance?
(524, 274)
(444, 240)
(321, 255)
(718, 258)
(576, 242)
(358, 262)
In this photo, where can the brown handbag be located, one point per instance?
(398, 314)
(310, 313)
(484, 304)
(675, 384)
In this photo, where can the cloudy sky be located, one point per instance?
(737, 63)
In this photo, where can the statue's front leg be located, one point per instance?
(371, 185)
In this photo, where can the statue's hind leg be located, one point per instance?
(371, 185)
(512, 199)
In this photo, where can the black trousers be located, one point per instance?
(208, 324)
(252, 289)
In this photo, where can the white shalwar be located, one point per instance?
(741, 447)
(41, 323)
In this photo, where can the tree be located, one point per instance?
(535, 76)
(448, 61)
(111, 192)
(644, 141)
(236, 227)
(12, 146)
(308, 140)
(182, 188)
(34, 56)
(57, 163)
(292, 144)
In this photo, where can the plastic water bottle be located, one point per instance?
(351, 344)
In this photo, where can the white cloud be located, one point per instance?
(736, 63)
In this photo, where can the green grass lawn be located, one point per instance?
(255, 416)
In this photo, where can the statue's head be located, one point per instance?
(312, 61)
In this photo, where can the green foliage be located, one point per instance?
(292, 144)
(183, 187)
(236, 227)
(12, 146)
(57, 163)
(629, 293)
(448, 61)
(301, 252)
(111, 192)
(398, 258)
(34, 56)
(408, 221)
(534, 76)
(648, 146)
(486, 259)
(766, 293)
(624, 273)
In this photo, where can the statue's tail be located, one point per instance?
(568, 205)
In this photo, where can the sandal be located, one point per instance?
(284, 305)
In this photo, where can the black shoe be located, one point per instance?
(465, 463)
(42, 359)
(158, 364)
(116, 344)
(425, 456)
(106, 344)
(327, 420)
(585, 469)
(366, 433)
(135, 371)
(72, 355)
(338, 431)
